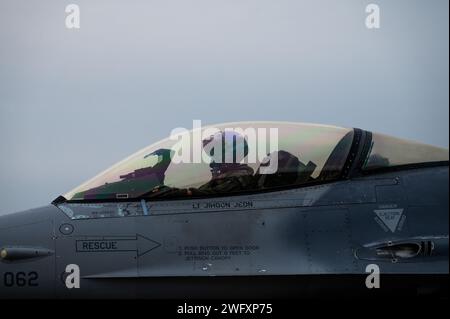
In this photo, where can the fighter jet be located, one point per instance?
(245, 209)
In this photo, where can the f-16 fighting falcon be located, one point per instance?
(334, 203)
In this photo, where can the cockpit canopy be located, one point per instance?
(388, 151)
(276, 154)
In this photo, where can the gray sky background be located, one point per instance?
(73, 102)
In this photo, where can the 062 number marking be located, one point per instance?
(20, 279)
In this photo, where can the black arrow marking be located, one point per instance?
(139, 244)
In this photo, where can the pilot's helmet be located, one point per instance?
(226, 147)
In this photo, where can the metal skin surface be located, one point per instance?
(314, 240)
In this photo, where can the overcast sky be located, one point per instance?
(73, 102)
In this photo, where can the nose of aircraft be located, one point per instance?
(27, 229)
(27, 253)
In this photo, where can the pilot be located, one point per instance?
(226, 175)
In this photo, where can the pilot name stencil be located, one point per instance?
(223, 204)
